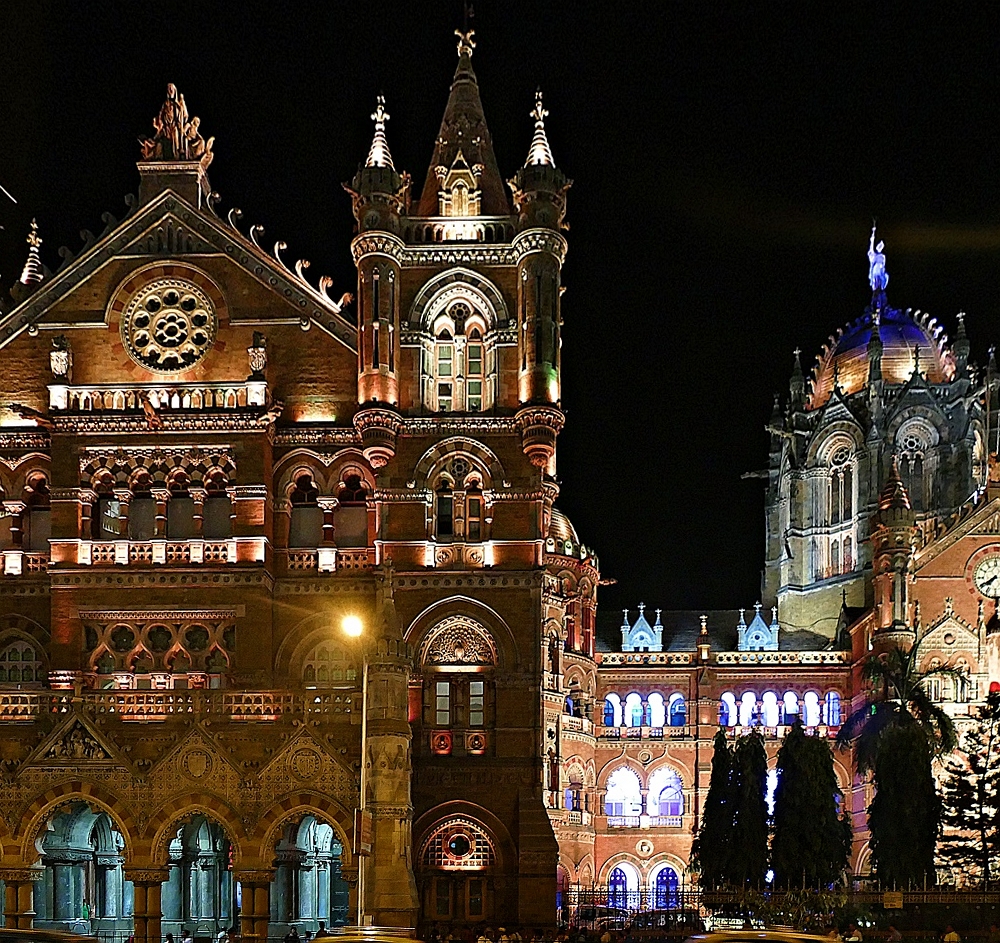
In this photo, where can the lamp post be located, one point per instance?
(354, 628)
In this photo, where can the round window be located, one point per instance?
(841, 455)
(459, 845)
(169, 325)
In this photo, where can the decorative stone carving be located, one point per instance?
(77, 744)
(304, 764)
(257, 355)
(61, 359)
(168, 325)
(177, 137)
(458, 641)
(197, 764)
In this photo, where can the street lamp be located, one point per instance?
(354, 627)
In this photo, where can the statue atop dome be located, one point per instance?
(878, 277)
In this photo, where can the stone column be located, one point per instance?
(256, 906)
(146, 906)
(19, 896)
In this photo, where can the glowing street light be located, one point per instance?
(355, 628)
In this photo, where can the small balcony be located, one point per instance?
(331, 560)
(22, 563)
(101, 553)
(644, 733)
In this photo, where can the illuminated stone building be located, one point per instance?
(206, 462)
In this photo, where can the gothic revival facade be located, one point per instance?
(207, 463)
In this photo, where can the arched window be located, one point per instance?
(573, 794)
(623, 794)
(327, 664)
(618, 889)
(306, 529)
(459, 844)
(656, 710)
(913, 445)
(180, 507)
(728, 714)
(444, 505)
(351, 517)
(474, 371)
(769, 709)
(810, 709)
(748, 709)
(841, 501)
(665, 888)
(106, 517)
(790, 707)
(217, 520)
(612, 711)
(831, 709)
(633, 710)
(20, 664)
(444, 371)
(666, 793)
(678, 710)
(38, 519)
(142, 507)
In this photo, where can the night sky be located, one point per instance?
(728, 159)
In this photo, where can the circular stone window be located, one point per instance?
(169, 325)
(459, 845)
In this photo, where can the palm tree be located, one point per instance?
(895, 735)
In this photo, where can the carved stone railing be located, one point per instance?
(623, 821)
(155, 552)
(20, 563)
(612, 659)
(645, 821)
(644, 733)
(331, 559)
(784, 658)
(580, 724)
(129, 398)
(146, 706)
(777, 733)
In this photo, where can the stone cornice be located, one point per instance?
(150, 615)
(118, 423)
(540, 240)
(175, 577)
(26, 439)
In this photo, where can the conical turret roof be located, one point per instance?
(378, 155)
(32, 272)
(463, 128)
(894, 493)
(539, 152)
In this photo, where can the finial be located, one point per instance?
(878, 278)
(774, 615)
(539, 153)
(836, 377)
(32, 274)
(961, 324)
(916, 360)
(843, 597)
(379, 155)
(704, 625)
(466, 42)
(625, 618)
(658, 611)
(757, 607)
(642, 608)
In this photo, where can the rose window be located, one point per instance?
(169, 325)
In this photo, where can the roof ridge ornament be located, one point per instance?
(32, 273)
(177, 136)
(539, 154)
(378, 155)
(466, 42)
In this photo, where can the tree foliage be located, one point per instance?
(812, 840)
(748, 862)
(904, 817)
(895, 735)
(970, 794)
(711, 849)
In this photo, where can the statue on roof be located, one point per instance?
(878, 277)
(176, 137)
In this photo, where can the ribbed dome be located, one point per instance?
(561, 528)
(900, 332)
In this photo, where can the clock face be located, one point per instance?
(987, 576)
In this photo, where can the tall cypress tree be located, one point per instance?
(812, 840)
(748, 861)
(970, 795)
(711, 849)
(905, 815)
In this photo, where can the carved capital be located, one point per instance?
(540, 240)
(259, 876)
(377, 243)
(146, 876)
(21, 875)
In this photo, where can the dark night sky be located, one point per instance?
(728, 161)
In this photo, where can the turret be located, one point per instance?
(893, 535)
(379, 194)
(539, 189)
(961, 349)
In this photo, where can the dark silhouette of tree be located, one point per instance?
(712, 847)
(748, 862)
(895, 735)
(970, 797)
(812, 840)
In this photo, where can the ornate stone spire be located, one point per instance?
(797, 383)
(539, 153)
(464, 131)
(379, 155)
(894, 493)
(32, 272)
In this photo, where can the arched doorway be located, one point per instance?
(665, 886)
(457, 862)
(200, 894)
(307, 888)
(83, 887)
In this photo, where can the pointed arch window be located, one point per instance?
(20, 664)
(913, 445)
(306, 526)
(351, 516)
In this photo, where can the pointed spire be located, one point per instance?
(894, 494)
(875, 349)
(797, 384)
(463, 128)
(32, 273)
(916, 361)
(539, 153)
(379, 155)
(961, 348)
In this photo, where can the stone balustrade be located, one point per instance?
(331, 559)
(129, 398)
(146, 706)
